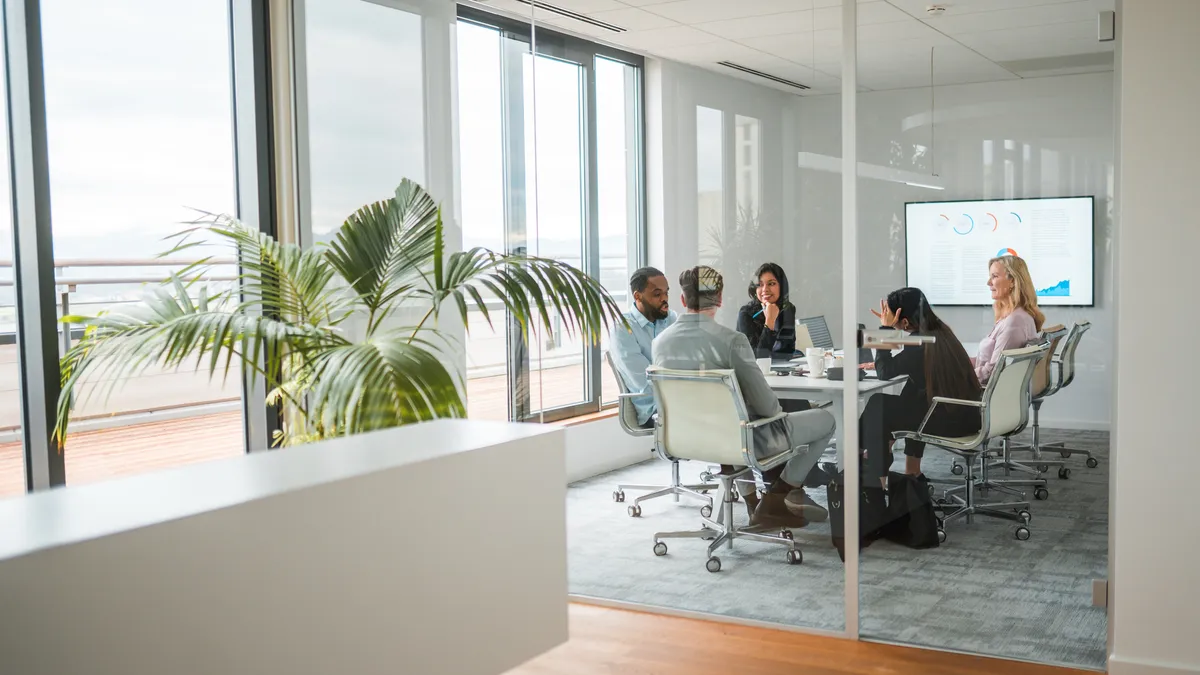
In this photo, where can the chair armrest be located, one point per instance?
(765, 421)
(620, 396)
(957, 401)
(948, 401)
(820, 405)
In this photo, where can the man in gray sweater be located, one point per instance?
(697, 342)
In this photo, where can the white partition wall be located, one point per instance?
(436, 548)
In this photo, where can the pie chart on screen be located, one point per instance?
(1007, 251)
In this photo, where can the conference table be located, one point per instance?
(820, 389)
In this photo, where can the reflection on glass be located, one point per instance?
(710, 184)
(140, 129)
(749, 162)
(554, 164)
(617, 159)
(365, 102)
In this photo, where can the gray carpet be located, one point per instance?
(982, 591)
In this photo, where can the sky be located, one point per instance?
(139, 113)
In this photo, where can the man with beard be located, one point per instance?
(631, 348)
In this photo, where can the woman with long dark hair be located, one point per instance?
(940, 368)
(769, 320)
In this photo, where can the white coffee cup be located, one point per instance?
(764, 365)
(816, 361)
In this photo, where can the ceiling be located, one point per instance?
(801, 40)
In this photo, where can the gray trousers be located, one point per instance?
(810, 432)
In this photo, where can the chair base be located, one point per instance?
(959, 502)
(676, 490)
(722, 532)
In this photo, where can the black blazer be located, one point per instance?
(778, 341)
(946, 419)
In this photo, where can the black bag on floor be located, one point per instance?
(912, 521)
(872, 513)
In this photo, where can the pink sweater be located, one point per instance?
(1011, 332)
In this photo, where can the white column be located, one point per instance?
(1155, 575)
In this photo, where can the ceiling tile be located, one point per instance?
(757, 26)
(702, 11)
(584, 6)
(1059, 12)
(631, 18)
(675, 36)
(957, 7)
(868, 13)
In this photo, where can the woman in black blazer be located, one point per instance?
(769, 319)
(938, 369)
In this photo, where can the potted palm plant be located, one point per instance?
(343, 334)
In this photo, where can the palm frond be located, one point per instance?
(171, 330)
(383, 248)
(386, 381)
(532, 289)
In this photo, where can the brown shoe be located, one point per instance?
(772, 511)
(799, 503)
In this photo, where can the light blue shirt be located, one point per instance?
(631, 354)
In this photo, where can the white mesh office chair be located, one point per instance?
(702, 417)
(627, 414)
(1039, 387)
(1004, 410)
(1062, 375)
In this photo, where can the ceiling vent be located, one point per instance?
(561, 11)
(765, 76)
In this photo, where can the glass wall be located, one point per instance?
(965, 165)
(138, 146)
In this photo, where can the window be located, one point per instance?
(365, 102)
(534, 181)
(140, 133)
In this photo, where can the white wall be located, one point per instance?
(1065, 124)
(351, 555)
(597, 447)
(1155, 577)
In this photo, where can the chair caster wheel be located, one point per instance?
(786, 534)
(1022, 533)
(957, 469)
(794, 556)
(1025, 516)
(660, 549)
(619, 496)
(941, 534)
(1043, 468)
(1092, 463)
(735, 495)
(706, 477)
(1041, 493)
(1064, 454)
(706, 511)
(713, 564)
(1064, 473)
(634, 511)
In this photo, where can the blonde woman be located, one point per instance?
(1018, 318)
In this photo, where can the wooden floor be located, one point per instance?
(609, 641)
